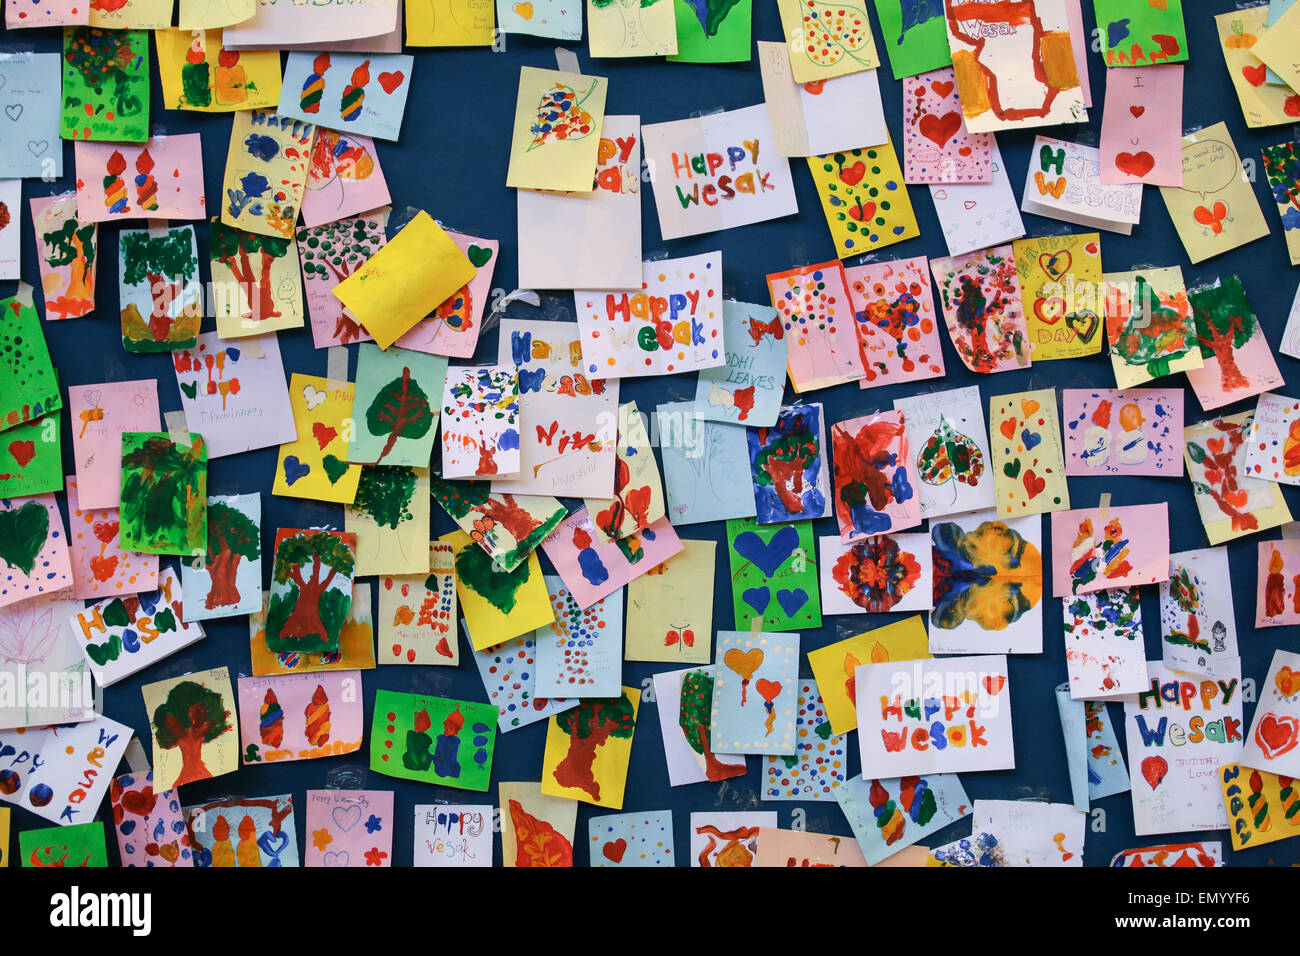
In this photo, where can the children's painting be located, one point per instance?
(1064, 182)
(344, 178)
(256, 282)
(592, 569)
(1277, 598)
(1282, 167)
(266, 172)
(31, 457)
(1198, 627)
(936, 146)
(497, 605)
(1060, 292)
(1262, 103)
(506, 527)
(580, 653)
(700, 459)
(351, 92)
(588, 749)
(1231, 500)
(150, 827)
(1215, 209)
(356, 643)
(67, 252)
(61, 774)
(314, 465)
(773, 575)
(454, 326)
(826, 41)
(99, 415)
(509, 673)
(34, 556)
(983, 308)
(818, 765)
(556, 131)
(29, 385)
(390, 517)
(244, 832)
(626, 29)
(329, 254)
(417, 613)
(311, 590)
(1273, 451)
(727, 839)
(885, 572)
(1098, 548)
(80, 845)
(633, 839)
(1104, 648)
(1261, 806)
(788, 466)
(300, 716)
(164, 494)
(349, 828)
(1119, 432)
(893, 311)
(915, 34)
(536, 828)
(947, 437)
(36, 645)
(480, 422)
(1149, 325)
(864, 199)
(685, 702)
(199, 73)
(875, 476)
(195, 730)
(670, 608)
(453, 835)
(1138, 34)
(1028, 461)
(160, 295)
(819, 323)
(158, 180)
(748, 389)
(892, 814)
(433, 740)
(638, 500)
(105, 85)
(1140, 144)
(755, 693)
(1237, 357)
(225, 580)
(33, 96)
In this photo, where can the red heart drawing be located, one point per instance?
(1057, 307)
(23, 452)
(1168, 45)
(139, 802)
(324, 434)
(1135, 164)
(1008, 428)
(1212, 217)
(767, 689)
(1254, 74)
(614, 850)
(940, 129)
(852, 175)
(814, 87)
(864, 212)
(964, 151)
(1154, 770)
(1292, 106)
(391, 81)
(1276, 735)
(1137, 110)
(943, 89)
(1287, 681)
(443, 648)
(1033, 484)
(993, 683)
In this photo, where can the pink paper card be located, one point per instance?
(1122, 547)
(99, 414)
(591, 570)
(343, 179)
(34, 549)
(1142, 126)
(936, 146)
(893, 308)
(1135, 431)
(1238, 360)
(150, 826)
(300, 716)
(818, 316)
(158, 179)
(349, 828)
(1277, 602)
(100, 568)
(329, 254)
(454, 327)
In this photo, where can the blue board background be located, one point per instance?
(451, 160)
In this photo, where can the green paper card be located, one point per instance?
(1141, 32)
(105, 85)
(164, 506)
(774, 574)
(433, 739)
(713, 31)
(31, 459)
(915, 36)
(76, 845)
(29, 386)
(396, 403)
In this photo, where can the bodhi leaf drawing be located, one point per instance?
(400, 410)
(560, 116)
(949, 455)
(537, 842)
(22, 535)
(989, 576)
(832, 32)
(695, 719)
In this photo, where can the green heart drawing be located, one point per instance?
(101, 654)
(191, 389)
(1011, 468)
(479, 255)
(22, 535)
(334, 468)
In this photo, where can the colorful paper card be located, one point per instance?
(988, 585)
(1149, 325)
(632, 839)
(34, 557)
(901, 718)
(773, 575)
(1137, 34)
(827, 41)
(68, 773)
(480, 422)
(983, 309)
(225, 580)
(1104, 649)
(1141, 139)
(80, 845)
(418, 613)
(207, 14)
(593, 569)
(746, 390)
(234, 394)
(329, 254)
(160, 179)
(1015, 71)
(1106, 774)
(1098, 548)
(825, 117)
(509, 675)
(1135, 431)
(556, 19)
(755, 693)
(356, 643)
(194, 727)
(1262, 104)
(673, 324)
(266, 172)
(1275, 730)
(38, 647)
(916, 36)
(619, 30)
(946, 433)
(978, 215)
(67, 253)
(685, 703)
(892, 814)
(164, 494)
(1273, 451)
(536, 829)
(1231, 500)
(580, 653)
(314, 465)
(199, 73)
(1215, 209)
(1277, 599)
(256, 282)
(727, 839)
(1198, 628)
(864, 199)
(31, 458)
(49, 13)
(893, 308)
(453, 328)
(670, 608)
(1282, 167)
(507, 527)
(835, 665)
(244, 832)
(11, 247)
(1261, 806)
(1028, 461)
(557, 129)
(717, 171)
(271, 24)
(818, 765)
(875, 476)
(638, 500)
(1237, 357)
(150, 825)
(300, 716)
(32, 99)
(936, 146)
(433, 740)
(1274, 48)
(700, 459)
(817, 314)
(885, 572)
(497, 606)
(159, 290)
(399, 393)
(453, 835)
(588, 750)
(1060, 290)
(349, 828)
(334, 90)
(311, 590)
(716, 32)
(1032, 833)
(1203, 854)
(113, 631)
(1064, 182)
(344, 178)
(1180, 732)
(105, 85)
(788, 466)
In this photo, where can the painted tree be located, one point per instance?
(1282, 166)
(1154, 331)
(590, 725)
(400, 409)
(1224, 323)
(73, 244)
(164, 491)
(232, 536)
(190, 716)
(694, 717)
(236, 249)
(335, 251)
(309, 617)
(385, 494)
(166, 264)
(459, 498)
(785, 451)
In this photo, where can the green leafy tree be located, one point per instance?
(235, 249)
(73, 244)
(1224, 323)
(190, 716)
(385, 494)
(590, 726)
(309, 616)
(232, 536)
(334, 251)
(164, 493)
(400, 409)
(694, 718)
(166, 264)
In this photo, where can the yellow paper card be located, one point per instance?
(631, 27)
(1149, 325)
(1215, 209)
(1214, 452)
(210, 14)
(450, 22)
(390, 517)
(199, 74)
(356, 643)
(588, 750)
(256, 282)
(266, 172)
(1060, 289)
(314, 465)
(827, 40)
(1262, 103)
(498, 605)
(558, 120)
(864, 199)
(1028, 462)
(168, 703)
(670, 608)
(834, 665)
(1261, 809)
(418, 270)
(4, 836)
(1278, 49)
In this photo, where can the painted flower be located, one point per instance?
(375, 856)
(321, 838)
(374, 824)
(876, 574)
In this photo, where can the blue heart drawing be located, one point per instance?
(770, 556)
(126, 827)
(294, 469)
(1030, 438)
(1116, 31)
(757, 598)
(791, 601)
